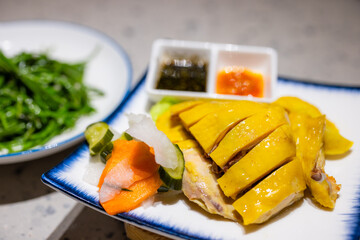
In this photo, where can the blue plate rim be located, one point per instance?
(112, 42)
(71, 190)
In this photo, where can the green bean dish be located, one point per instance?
(39, 99)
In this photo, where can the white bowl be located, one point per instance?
(109, 70)
(258, 59)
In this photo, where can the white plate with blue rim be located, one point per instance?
(108, 70)
(177, 218)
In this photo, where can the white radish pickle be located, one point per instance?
(143, 128)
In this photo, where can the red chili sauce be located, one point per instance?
(240, 81)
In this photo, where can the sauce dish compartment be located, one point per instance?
(217, 56)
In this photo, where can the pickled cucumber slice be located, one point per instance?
(172, 178)
(106, 152)
(163, 105)
(98, 135)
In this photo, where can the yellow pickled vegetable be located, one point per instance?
(248, 133)
(269, 154)
(277, 191)
(334, 142)
(213, 127)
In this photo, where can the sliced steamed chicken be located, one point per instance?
(315, 137)
(277, 191)
(212, 128)
(309, 135)
(247, 134)
(201, 187)
(240, 155)
(199, 183)
(272, 152)
(192, 115)
(242, 125)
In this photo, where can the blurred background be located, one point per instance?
(317, 41)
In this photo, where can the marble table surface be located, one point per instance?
(316, 41)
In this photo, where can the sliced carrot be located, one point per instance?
(129, 200)
(131, 167)
(129, 156)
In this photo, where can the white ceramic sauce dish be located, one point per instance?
(261, 60)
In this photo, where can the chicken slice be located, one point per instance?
(199, 183)
(309, 136)
(213, 127)
(248, 133)
(269, 154)
(183, 106)
(193, 115)
(172, 127)
(200, 186)
(280, 189)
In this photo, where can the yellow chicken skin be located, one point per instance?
(248, 133)
(213, 127)
(309, 135)
(334, 142)
(170, 123)
(183, 106)
(294, 104)
(199, 183)
(277, 191)
(263, 163)
(270, 153)
(172, 127)
(193, 115)
(187, 144)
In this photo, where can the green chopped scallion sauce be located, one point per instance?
(183, 74)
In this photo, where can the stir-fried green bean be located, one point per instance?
(39, 98)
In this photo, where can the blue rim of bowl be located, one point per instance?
(118, 48)
(49, 178)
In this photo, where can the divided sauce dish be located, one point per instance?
(216, 57)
